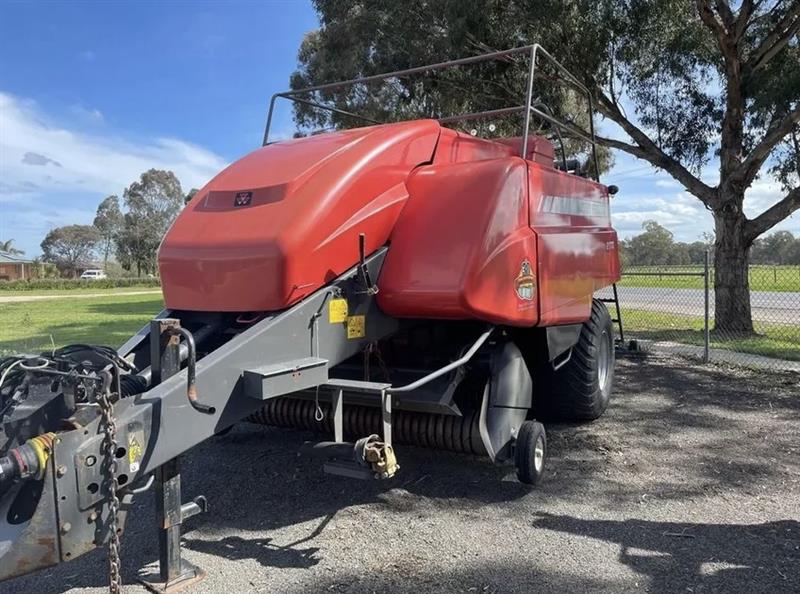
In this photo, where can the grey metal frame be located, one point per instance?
(169, 425)
(532, 51)
(386, 390)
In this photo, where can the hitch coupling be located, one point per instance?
(369, 457)
(379, 455)
(27, 461)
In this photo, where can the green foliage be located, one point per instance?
(657, 54)
(152, 204)
(42, 269)
(780, 247)
(365, 37)
(108, 222)
(7, 247)
(70, 248)
(656, 246)
(69, 284)
(188, 198)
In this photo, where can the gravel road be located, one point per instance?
(690, 483)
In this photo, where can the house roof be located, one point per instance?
(8, 259)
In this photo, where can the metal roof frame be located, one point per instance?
(533, 52)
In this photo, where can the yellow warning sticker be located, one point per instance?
(134, 453)
(337, 311)
(356, 327)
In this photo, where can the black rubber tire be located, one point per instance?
(529, 470)
(574, 392)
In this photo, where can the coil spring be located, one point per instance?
(442, 432)
(42, 445)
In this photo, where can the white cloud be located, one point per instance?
(667, 183)
(89, 162)
(761, 195)
(680, 212)
(52, 174)
(86, 114)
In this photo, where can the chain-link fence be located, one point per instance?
(670, 310)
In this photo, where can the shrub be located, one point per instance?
(64, 284)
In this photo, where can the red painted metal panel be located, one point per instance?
(485, 234)
(284, 220)
(457, 147)
(463, 247)
(577, 245)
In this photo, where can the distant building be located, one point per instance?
(13, 268)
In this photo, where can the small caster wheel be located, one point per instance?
(530, 452)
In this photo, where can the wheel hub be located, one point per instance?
(603, 361)
(538, 454)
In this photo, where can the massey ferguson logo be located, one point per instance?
(243, 198)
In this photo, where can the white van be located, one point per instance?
(93, 274)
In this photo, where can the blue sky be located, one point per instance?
(94, 93)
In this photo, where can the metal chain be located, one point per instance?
(375, 347)
(110, 464)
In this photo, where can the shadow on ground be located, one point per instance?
(668, 557)
(674, 435)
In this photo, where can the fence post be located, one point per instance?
(706, 333)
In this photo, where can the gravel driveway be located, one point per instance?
(690, 483)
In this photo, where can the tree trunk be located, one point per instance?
(731, 271)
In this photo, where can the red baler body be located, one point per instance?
(475, 231)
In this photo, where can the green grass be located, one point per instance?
(772, 340)
(762, 278)
(111, 320)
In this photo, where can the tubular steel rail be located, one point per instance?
(528, 107)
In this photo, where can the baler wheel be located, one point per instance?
(580, 389)
(530, 452)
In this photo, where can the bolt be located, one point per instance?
(90, 460)
(93, 516)
(66, 527)
(61, 471)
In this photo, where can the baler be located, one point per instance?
(399, 283)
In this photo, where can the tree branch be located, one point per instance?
(710, 20)
(748, 170)
(743, 20)
(724, 10)
(621, 145)
(777, 39)
(773, 215)
(646, 149)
